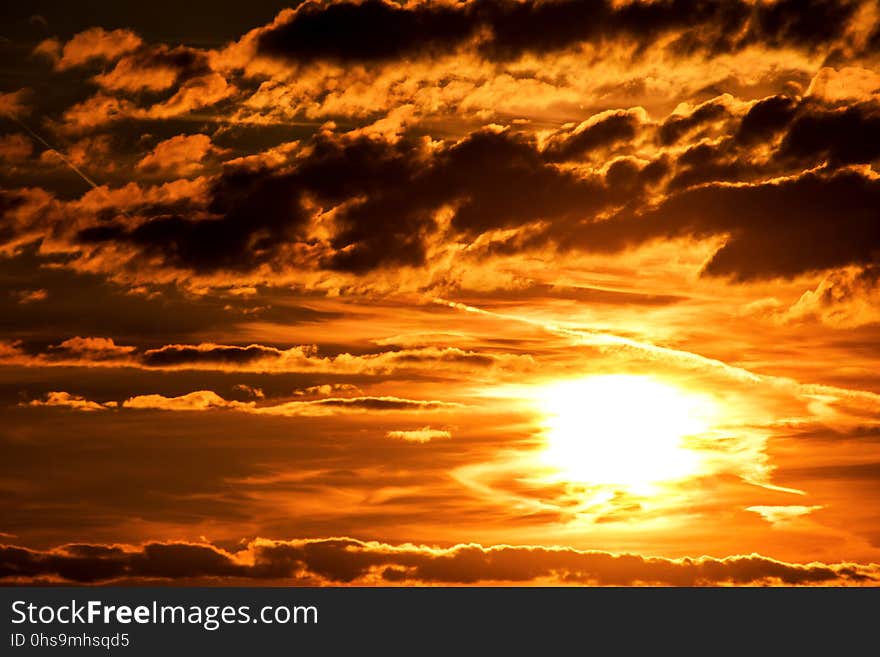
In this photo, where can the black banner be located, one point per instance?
(228, 621)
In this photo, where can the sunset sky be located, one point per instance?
(489, 292)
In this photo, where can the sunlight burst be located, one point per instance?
(622, 430)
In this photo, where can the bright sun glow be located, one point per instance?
(622, 430)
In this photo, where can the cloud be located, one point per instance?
(850, 135)
(31, 296)
(94, 154)
(154, 68)
(203, 400)
(765, 118)
(207, 400)
(66, 400)
(362, 202)
(250, 391)
(213, 354)
(92, 348)
(603, 129)
(386, 195)
(259, 358)
(495, 61)
(367, 31)
(358, 32)
(90, 563)
(844, 84)
(846, 298)
(103, 109)
(678, 125)
(349, 561)
(384, 200)
(328, 389)
(49, 49)
(182, 155)
(95, 111)
(93, 44)
(601, 186)
(329, 405)
(782, 228)
(779, 136)
(423, 435)
(195, 93)
(200, 400)
(104, 352)
(11, 349)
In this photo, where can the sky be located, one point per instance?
(530, 292)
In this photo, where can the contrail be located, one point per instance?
(609, 339)
(601, 338)
(45, 143)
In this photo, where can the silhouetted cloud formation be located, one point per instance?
(349, 561)
(379, 30)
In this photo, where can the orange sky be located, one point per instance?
(451, 292)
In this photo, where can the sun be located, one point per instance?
(622, 430)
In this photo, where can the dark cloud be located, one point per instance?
(765, 118)
(874, 40)
(88, 563)
(344, 560)
(850, 135)
(253, 213)
(812, 135)
(393, 188)
(503, 181)
(712, 162)
(446, 356)
(378, 403)
(375, 30)
(811, 222)
(117, 384)
(617, 126)
(101, 352)
(171, 355)
(367, 31)
(203, 24)
(675, 127)
(386, 193)
(794, 23)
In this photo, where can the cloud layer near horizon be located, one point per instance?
(347, 561)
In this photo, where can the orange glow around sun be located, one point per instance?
(622, 430)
